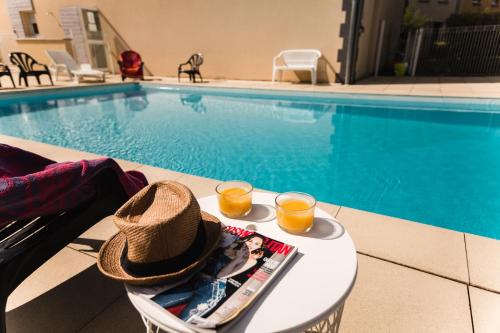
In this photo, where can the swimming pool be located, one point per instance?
(431, 160)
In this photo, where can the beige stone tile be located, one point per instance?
(483, 255)
(436, 250)
(419, 92)
(485, 307)
(200, 186)
(390, 91)
(39, 148)
(390, 298)
(90, 241)
(120, 316)
(425, 86)
(59, 154)
(329, 208)
(61, 296)
(154, 174)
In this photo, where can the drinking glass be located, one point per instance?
(295, 211)
(235, 198)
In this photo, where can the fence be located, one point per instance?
(459, 51)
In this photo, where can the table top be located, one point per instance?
(313, 285)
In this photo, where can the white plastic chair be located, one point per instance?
(62, 61)
(297, 60)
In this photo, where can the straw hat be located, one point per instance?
(163, 236)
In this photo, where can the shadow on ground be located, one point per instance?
(72, 305)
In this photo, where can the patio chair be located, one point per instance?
(195, 61)
(63, 62)
(297, 60)
(131, 65)
(27, 67)
(5, 71)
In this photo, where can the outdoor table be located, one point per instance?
(308, 295)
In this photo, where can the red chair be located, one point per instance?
(131, 65)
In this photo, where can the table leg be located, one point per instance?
(330, 324)
(151, 328)
(149, 325)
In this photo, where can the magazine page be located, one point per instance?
(244, 263)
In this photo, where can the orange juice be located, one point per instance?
(295, 215)
(235, 202)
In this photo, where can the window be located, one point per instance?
(92, 24)
(30, 26)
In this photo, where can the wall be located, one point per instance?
(237, 37)
(436, 10)
(36, 48)
(7, 37)
(51, 35)
(373, 12)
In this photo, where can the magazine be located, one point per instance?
(234, 275)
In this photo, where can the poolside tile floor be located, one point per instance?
(485, 307)
(435, 250)
(391, 298)
(61, 296)
(484, 262)
(483, 87)
(412, 277)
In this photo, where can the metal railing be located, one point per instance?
(460, 51)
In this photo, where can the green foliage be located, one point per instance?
(470, 19)
(413, 19)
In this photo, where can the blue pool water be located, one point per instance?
(431, 160)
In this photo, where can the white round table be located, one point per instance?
(308, 295)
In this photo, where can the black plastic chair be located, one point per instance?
(195, 61)
(26, 64)
(5, 70)
(26, 245)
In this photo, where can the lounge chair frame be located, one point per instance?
(5, 71)
(26, 245)
(62, 61)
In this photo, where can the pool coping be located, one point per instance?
(302, 90)
(446, 253)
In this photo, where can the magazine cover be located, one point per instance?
(244, 263)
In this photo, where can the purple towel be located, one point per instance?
(31, 185)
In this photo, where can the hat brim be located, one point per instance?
(110, 253)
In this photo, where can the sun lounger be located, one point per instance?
(297, 60)
(26, 245)
(64, 62)
(5, 71)
(32, 238)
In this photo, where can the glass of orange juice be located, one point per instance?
(235, 198)
(295, 211)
